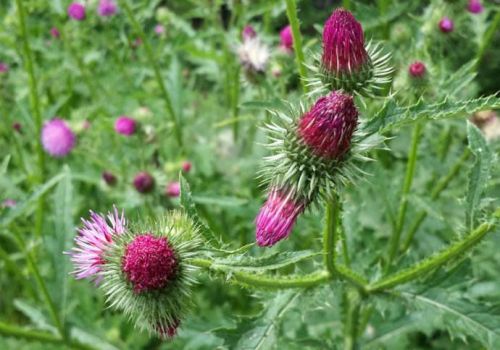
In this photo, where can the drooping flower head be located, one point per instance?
(57, 138)
(96, 235)
(248, 33)
(144, 182)
(417, 69)
(173, 189)
(475, 6)
(106, 8)
(125, 125)
(76, 11)
(328, 127)
(54, 32)
(286, 39)
(4, 68)
(109, 178)
(446, 25)
(277, 217)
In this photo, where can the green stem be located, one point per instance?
(346, 4)
(488, 36)
(330, 236)
(440, 187)
(410, 171)
(35, 107)
(353, 305)
(154, 63)
(291, 12)
(383, 6)
(441, 258)
(352, 277)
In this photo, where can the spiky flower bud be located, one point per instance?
(475, 6)
(286, 39)
(277, 217)
(446, 25)
(76, 11)
(57, 138)
(144, 182)
(417, 69)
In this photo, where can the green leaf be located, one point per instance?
(479, 173)
(270, 262)
(391, 115)
(4, 165)
(220, 201)
(35, 315)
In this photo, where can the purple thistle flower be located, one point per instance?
(57, 138)
(173, 189)
(4, 68)
(277, 217)
(446, 25)
(17, 127)
(328, 127)
(76, 11)
(106, 8)
(54, 32)
(9, 203)
(109, 178)
(417, 69)
(159, 29)
(144, 182)
(186, 166)
(168, 332)
(475, 6)
(125, 125)
(286, 38)
(91, 243)
(149, 263)
(248, 33)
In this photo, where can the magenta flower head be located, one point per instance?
(4, 68)
(9, 203)
(109, 178)
(328, 127)
(54, 32)
(446, 25)
(286, 39)
(417, 69)
(248, 33)
(106, 8)
(186, 166)
(144, 182)
(57, 138)
(173, 189)
(159, 29)
(76, 11)
(125, 125)
(277, 217)
(475, 6)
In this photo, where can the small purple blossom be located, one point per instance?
(9, 203)
(109, 178)
(4, 68)
(159, 29)
(417, 69)
(76, 11)
(173, 189)
(248, 33)
(186, 166)
(446, 25)
(286, 39)
(91, 243)
(125, 125)
(475, 6)
(144, 182)
(106, 8)
(54, 32)
(57, 138)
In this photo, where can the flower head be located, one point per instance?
(109, 178)
(54, 32)
(9, 203)
(168, 331)
(254, 55)
(328, 127)
(76, 11)
(144, 182)
(106, 8)
(125, 125)
(17, 127)
(417, 69)
(57, 138)
(286, 39)
(4, 68)
(159, 29)
(173, 189)
(446, 25)
(186, 166)
(277, 217)
(248, 33)
(93, 239)
(475, 6)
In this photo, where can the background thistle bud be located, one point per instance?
(475, 6)
(76, 11)
(144, 182)
(417, 69)
(446, 25)
(57, 138)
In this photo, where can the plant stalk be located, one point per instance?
(291, 12)
(330, 235)
(488, 37)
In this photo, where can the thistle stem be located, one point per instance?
(291, 12)
(37, 115)
(410, 171)
(352, 305)
(488, 36)
(153, 63)
(413, 272)
(330, 234)
(436, 191)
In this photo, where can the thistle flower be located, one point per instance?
(93, 239)
(186, 166)
(248, 33)
(446, 25)
(17, 127)
(125, 125)
(159, 29)
(9, 203)
(346, 63)
(4, 68)
(106, 8)
(144, 182)
(254, 56)
(277, 217)
(475, 6)
(57, 138)
(286, 39)
(417, 69)
(109, 178)
(54, 32)
(76, 11)
(173, 189)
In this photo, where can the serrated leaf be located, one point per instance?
(479, 173)
(392, 115)
(35, 316)
(271, 262)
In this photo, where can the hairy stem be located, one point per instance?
(291, 12)
(330, 236)
(413, 272)
(410, 171)
(37, 115)
(352, 303)
(436, 191)
(153, 63)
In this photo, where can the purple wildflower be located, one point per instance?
(57, 138)
(417, 69)
(173, 189)
(106, 8)
(144, 182)
(125, 125)
(76, 11)
(248, 33)
(475, 6)
(286, 39)
(446, 25)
